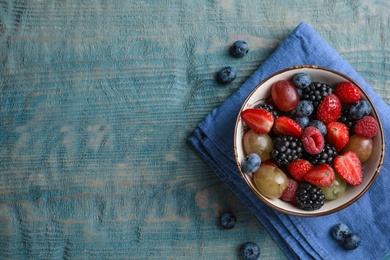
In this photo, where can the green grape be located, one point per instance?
(336, 189)
(262, 145)
(270, 181)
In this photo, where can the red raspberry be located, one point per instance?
(313, 141)
(347, 92)
(290, 192)
(366, 127)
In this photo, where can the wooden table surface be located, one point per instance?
(98, 98)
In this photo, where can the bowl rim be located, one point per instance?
(310, 213)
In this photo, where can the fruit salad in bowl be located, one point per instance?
(308, 141)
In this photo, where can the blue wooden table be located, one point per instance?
(98, 98)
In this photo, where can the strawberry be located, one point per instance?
(321, 175)
(258, 119)
(337, 135)
(286, 126)
(299, 168)
(347, 92)
(329, 110)
(349, 167)
(366, 127)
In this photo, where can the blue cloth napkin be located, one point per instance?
(301, 238)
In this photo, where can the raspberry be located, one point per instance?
(290, 192)
(366, 127)
(313, 141)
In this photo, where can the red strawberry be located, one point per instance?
(258, 119)
(337, 135)
(349, 167)
(329, 109)
(366, 127)
(347, 92)
(313, 141)
(321, 175)
(299, 168)
(290, 192)
(287, 126)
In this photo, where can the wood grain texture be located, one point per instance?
(97, 99)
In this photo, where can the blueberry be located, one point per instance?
(239, 49)
(304, 108)
(250, 251)
(301, 80)
(226, 75)
(228, 220)
(251, 163)
(340, 231)
(352, 241)
(360, 109)
(319, 125)
(292, 113)
(299, 90)
(302, 121)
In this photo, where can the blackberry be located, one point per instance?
(347, 119)
(286, 149)
(325, 156)
(309, 197)
(316, 92)
(269, 108)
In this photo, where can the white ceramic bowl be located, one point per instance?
(371, 167)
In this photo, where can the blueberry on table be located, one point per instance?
(228, 220)
(340, 231)
(250, 251)
(239, 49)
(352, 241)
(226, 75)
